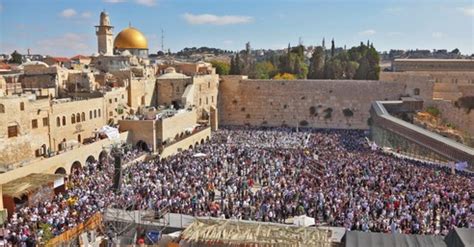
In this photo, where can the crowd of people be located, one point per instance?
(269, 175)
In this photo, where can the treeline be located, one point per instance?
(194, 50)
(359, 62)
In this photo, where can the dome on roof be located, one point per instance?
(31, 63)
(130, 38)
(170, 70)
(173, 75)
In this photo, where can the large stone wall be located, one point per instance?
(433, 65)
(301, 102)
(456, 116)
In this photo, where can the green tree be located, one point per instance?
(265, 70)
(16, 58)
(235, 68)
(333, 48)
(222, 68)
(316, 65)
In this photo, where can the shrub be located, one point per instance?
(312, 110)
(328, 112)
(433, 111)
(466, 102)
(304, 123)
(348, 112)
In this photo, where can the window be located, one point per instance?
(64, 120)
(90, 114)
(2, 108)
(34, 123)
(83, 117)
(123, 97)
(110, 101)
(111, 113)
(73, 119)
(200, 101)
(207, 101)
(115, 99)
(45, 121)
(212, 99)
(416, 91)
(199, 88)
(98, 113)
(22, 106)
(78, 118)
(58, 121)
(12, 131)
(95, 113)
(209, 84)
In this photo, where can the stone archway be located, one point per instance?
(91, 159)
(207, 138)
(202, 141)
(190, 146)
(76, 165)
(60, 170)
(103, 160)
(142, 146)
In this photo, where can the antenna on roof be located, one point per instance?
(129, 24)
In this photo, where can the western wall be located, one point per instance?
(307, 103)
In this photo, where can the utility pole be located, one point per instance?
(162, 40)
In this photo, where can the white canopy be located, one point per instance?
(303, 220)
(111, 132)
(200, 155)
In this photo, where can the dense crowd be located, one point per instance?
(270, 175)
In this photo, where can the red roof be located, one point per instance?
(5, 66)
(79, 57)
(61, 59)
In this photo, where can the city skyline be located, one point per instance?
(63, 28)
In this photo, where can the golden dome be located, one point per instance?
(130, 38)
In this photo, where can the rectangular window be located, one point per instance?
(34, 123)
(45, 121)
(12, 131)
(115, 99)
(110, 101)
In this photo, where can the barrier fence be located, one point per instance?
(92, 223)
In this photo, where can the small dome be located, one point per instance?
(170, 70)
(130, 38)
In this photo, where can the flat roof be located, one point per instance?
(21, 186)
(432, 60)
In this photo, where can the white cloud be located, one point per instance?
(113, 1)
(216, 20)
(367, 32)
(148, 3)
(86, 14)
(437, 35)
(468, 11)
(66, 44)
(68, 13)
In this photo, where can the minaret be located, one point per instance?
(104, 35)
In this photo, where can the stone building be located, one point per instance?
(400, 65)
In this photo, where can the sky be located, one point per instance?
(66, 27)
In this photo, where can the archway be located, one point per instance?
(76, 166)
(60, 170)
(142, 146)
(207, 138)
(196, 144)
(103, 160)
(202, 141)
(190, 146)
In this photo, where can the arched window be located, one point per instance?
(58, 121)
(64, 120)
(83, 117)
(2, 108)
(95, 113)
(78, 117)
(73, 119)
(90, 114)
